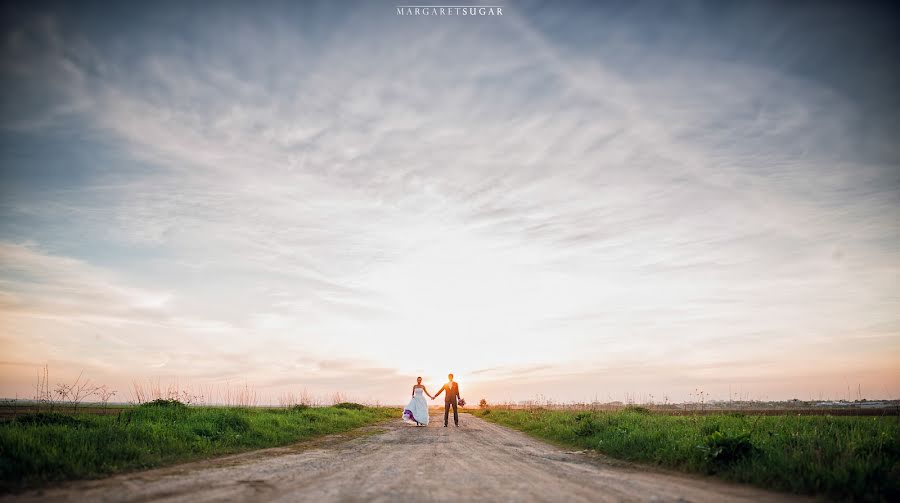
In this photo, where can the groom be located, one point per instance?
(450, 397)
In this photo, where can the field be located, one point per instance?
(846, 458)
(804, 452)
(36, 448)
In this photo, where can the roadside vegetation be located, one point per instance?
(844, 458)
(41, 447)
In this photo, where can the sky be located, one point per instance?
(571, 201)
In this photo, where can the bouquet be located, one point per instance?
(462, 402)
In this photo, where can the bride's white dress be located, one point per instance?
(417, 409)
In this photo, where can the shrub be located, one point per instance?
(207, 431)
(585, 426)
(637, 409)
(300, 407)
(46, 419)
(581, 416)
(483, 404)
(349, 406)
(721, 449)
(163, 403)
(233, 422)
(707, 429)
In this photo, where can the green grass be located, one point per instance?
(846, 458)
(40, 448)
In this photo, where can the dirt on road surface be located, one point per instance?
(479, 461)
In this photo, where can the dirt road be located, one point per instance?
(478, 461)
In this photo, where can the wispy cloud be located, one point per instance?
(379, 188)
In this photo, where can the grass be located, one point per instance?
(47, 447)
(845, 458)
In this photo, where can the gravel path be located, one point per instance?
(479, 461)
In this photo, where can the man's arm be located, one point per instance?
(441, 391)
(457, 392)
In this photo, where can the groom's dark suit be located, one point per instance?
(450, 397)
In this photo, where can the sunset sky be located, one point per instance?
(577, 201)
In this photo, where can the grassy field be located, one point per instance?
(846, 458)
(40, 448)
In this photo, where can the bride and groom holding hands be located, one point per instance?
(417, 409)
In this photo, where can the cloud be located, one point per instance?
(37, 283)
(375, 189)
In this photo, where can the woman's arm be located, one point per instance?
(414, 391)
(427, 393)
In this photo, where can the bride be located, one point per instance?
(417, 409)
